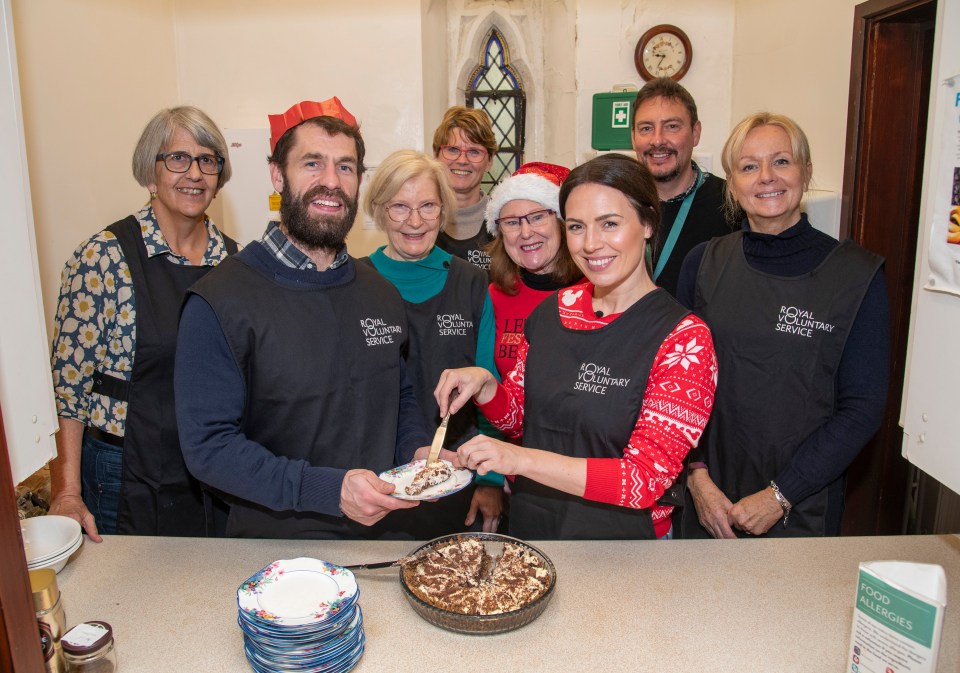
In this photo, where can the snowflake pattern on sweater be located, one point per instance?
(676, 406)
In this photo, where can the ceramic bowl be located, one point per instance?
(49, 537)
(481, 624)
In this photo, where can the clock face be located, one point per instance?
(663, 51)
(664, 55)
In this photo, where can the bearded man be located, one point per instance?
(665, 131)
(291, 392)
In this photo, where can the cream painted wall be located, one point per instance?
(435, 67)
(271, 55)
(607, 32)
(560, 87)
(794, 58)
(91, 75)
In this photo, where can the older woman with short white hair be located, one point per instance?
(448, 312)
(120, 468)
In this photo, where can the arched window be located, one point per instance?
(496, 88)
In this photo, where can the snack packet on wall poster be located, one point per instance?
(945, 227)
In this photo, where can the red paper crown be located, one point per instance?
(308, 109)
(552, 172)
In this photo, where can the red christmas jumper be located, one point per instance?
(676, 407)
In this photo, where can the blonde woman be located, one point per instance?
(801, 325)
(449, 314)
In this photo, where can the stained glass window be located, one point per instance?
(495, 87)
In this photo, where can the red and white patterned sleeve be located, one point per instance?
(676, 407)
(505, 410)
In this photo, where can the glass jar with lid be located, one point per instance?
(89, 648)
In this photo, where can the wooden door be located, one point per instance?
(19, 634)
(886, 132)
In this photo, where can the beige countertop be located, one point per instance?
(682, 605)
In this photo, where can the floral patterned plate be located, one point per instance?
(296, 592)
(403, 475)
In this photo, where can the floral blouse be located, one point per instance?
(95, 326)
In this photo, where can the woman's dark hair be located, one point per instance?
(627, 176)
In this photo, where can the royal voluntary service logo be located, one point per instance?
(793, 320)
(377, 332)
(594, 378)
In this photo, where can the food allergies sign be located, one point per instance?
(897, 618)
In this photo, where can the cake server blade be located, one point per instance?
(438, 438)
(381, 564)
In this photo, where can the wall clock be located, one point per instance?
(663, 51)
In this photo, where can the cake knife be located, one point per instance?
(438, 438)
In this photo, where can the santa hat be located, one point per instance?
(304, 110)
(536, 181)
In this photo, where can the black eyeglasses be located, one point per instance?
(536, 219)
(179, 162)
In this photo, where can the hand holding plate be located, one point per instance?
(366, 499)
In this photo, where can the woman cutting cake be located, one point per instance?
(613, 383)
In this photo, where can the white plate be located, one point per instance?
(57, 563)
(402, 476)
(45, 537)
(297, 592)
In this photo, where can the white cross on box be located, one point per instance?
(621, 113)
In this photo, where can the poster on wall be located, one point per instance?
(945, 228)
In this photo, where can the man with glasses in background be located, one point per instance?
(465, 144)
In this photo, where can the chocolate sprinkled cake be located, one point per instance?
(461, 577)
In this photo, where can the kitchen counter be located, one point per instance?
(681, 605)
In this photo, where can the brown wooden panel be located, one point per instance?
(890, 74)
(19, 636)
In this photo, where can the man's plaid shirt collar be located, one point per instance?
(290, 255)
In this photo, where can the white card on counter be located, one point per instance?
(85, 635)
(897, 618)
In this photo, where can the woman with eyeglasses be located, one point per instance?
(464, 143)
(119, 468)
(613, 383)
(528, 259)
(449, 315)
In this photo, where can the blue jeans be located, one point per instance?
(668, 535)
(101, 473)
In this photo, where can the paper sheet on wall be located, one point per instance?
(945, 227)
(897, 618)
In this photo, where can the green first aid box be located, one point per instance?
(612, 117)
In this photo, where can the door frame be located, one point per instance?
(879, 479)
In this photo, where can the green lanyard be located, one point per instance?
(678, 225)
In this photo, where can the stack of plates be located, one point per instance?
(301, 615)
(48, 541)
